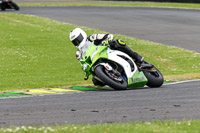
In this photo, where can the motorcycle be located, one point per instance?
(8, 4)
(117, 69)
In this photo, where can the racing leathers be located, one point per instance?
(108, 40)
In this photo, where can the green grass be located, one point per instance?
(135, 127)
(130, 4)
(36, 53)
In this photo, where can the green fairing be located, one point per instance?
(101, 53)
(138, 80)
(86, 59)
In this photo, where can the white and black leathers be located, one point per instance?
(98, 38)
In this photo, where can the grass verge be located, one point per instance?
(36, 53)
(127, 4)
(139, 127)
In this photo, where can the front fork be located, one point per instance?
(86, 76)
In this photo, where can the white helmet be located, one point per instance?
(78, 37)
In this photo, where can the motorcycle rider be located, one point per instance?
(3, 4)
(79, 38)
(8, 4)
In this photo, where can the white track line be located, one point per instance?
(186, 81)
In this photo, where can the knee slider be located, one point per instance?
(121, 42)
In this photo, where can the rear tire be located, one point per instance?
(15, 6)
(101, 74)
(155, 78)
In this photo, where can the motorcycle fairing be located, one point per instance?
(94, 53)
(135, 78)
(91, 55)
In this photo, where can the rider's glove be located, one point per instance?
(105, 43)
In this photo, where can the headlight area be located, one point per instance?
(94, 54)
(85, 66)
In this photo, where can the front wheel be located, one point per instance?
(154, 76)
(110, 79)
(3, 7)
(15, 6)
(96, 82)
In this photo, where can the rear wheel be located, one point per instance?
(15, 6)
(111, 79)
(154, 76)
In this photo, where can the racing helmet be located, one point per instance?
(78, 37)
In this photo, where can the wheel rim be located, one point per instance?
(101, 73)
(114, 76)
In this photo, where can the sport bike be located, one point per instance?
(8, 4)
(117, 69)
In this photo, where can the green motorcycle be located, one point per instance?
(8, 4)
(117, 70)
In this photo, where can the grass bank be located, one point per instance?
(126, 4)
(36, 53)
(138, 127)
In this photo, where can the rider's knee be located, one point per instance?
(121, 42)
(118, 44)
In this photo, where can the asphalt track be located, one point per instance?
(170, 102)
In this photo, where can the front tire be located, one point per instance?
(97, 82)
(100, 72)
(154, 76)
(3, 7)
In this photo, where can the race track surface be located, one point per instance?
(177, 27)
(173, 27)
(170, 102)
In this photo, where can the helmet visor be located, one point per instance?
(78, 40)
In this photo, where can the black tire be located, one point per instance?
(101, 74)
(97, 82)
(15, 6)
(3, 7)
(155, 78)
